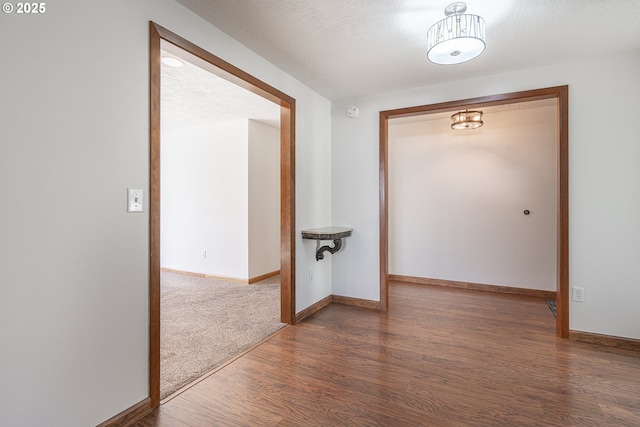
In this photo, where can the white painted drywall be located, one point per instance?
(604, 182)
(264, 199)
(205, 200)
(74, 303)
(456, 198)
(221, 195)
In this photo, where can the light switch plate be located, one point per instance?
(135, 200)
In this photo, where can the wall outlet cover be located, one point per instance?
(577, 294)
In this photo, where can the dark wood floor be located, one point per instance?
(438, 357)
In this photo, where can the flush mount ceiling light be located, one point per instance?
(172, 62)
(468, 119)
(457, 38)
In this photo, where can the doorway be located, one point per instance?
(559, 93)
(217, 66)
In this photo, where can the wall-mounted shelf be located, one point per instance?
(327, 233)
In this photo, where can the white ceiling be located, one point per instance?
(487, 111)
(192, 96)
(350, 48)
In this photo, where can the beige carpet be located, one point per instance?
(206, 322)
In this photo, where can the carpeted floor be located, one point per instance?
(206, 322)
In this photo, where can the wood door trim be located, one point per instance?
(287, 183)
(561, 93)
(154, 217)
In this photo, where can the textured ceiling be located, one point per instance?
(192, 96)
(349, 48)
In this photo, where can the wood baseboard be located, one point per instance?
(356, 302)
(130, 415)
(314, 308)
(227, 278)
(184, 273)
(474, 286)
(605, 340)
(264, 277)
(338, 299)
(206, 276)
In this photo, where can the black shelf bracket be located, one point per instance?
(327, 233)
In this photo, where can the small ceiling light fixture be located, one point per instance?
(468, 119)
(172, 62)
(457, 38)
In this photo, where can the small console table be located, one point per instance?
(327, 233)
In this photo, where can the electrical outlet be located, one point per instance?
(204, 253)
(578, 294)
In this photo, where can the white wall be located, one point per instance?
(456, 198)
(604, 187)
(313, 192)
(221, 194)
(204, 203)
(264, 199)
(74, 303)
(75, 134)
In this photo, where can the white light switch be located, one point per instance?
(135, 199)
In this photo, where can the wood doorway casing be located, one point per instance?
(223, 69)
(561, 93)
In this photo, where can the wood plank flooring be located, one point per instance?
(438, 357)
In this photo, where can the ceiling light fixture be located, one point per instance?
(172, 62)
(468, 119)
(457, 38)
